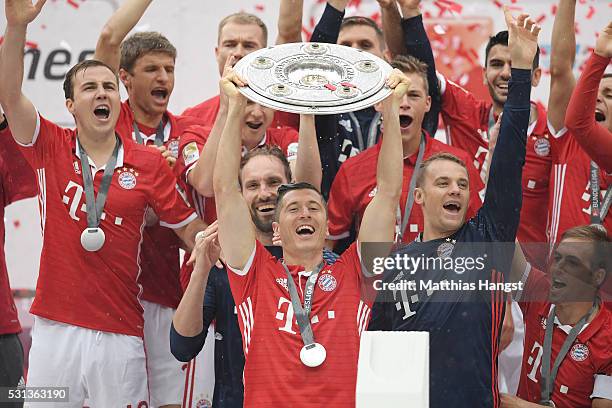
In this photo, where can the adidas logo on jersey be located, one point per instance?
(283, 283)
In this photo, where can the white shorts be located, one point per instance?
(166, 373)
(108, 369)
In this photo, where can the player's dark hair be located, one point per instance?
(285, 188)
(602, 255)
(411, 65)
(140, 44)
(244, 19)
(82, 66)
(501, 38)
(364, 21)
(266, 150)
(438, 156)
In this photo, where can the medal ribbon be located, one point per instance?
(159, 134)
(95, 205)
(302, 314)
(402, 223)
(598, 210)
(548, 375)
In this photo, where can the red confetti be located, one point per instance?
(474, 53)
(354, 3)
(376, 17)
(582, 1)
(43, 26)
(260, 7)
(451, 5)
(554, 9)
(540, 19)
(16, 224)
(498, 3)
(31, 44)
(591, 12)
(427, 14)
(472, 27)
(312, 22)
(73, 3)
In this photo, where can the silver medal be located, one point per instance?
(92, 239)
(313, 355)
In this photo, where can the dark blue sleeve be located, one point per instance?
(504, 196)
(186, 348)
(328, 28)
(418, 45)
(327, 31)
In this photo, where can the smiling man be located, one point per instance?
(88, 333)
(283, 368)
(464, 323)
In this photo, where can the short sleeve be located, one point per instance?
(45, 141)
(536, 286)
(191, 144)
(244, 282)
(165, 199)
(340, 207)
(18, 180)
(287, 139)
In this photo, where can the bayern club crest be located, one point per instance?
(542, 147)
(579, 352)
(445, 249)
(127, 179)
(327, 282)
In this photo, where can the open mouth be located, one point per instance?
(599, 116)
(405, 121)
(266, 208)
(305, 230)
(503, 87)
(452, 206)
(558, 284)
(160, 94)
(102, 111)
(254, 125)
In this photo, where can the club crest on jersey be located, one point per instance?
(446, 248)
(327, 282)
(542, 147)
(203, 403)
(191, 153)
(579, 352)
(173, 147)
(127, 178)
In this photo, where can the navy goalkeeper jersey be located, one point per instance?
(447, 282)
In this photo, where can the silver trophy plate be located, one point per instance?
(314, 78)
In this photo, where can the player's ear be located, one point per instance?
(599, 275)
(70, 105)
(418, 196)
(125, 77)
(275, 227)
(536, 76)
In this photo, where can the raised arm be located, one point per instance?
(201, 176)
(116, 29)
(308, 161)
(236, 230)
(378, 224)
(290, 21)
(562, 55)
(18, 109)
(328, 27)
(392, 27)
(417, 44)
(503, 198)
(594, 138)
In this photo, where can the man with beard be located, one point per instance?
(208, 297)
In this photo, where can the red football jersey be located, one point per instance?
(355, 186)
(17, 182)
(160, 262)
(570, 195)
(97, 290)
(274, 376)
(207, 113)
(466, 121)
(590, 354)
(192, 143)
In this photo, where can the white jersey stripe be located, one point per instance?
(365, 320)
(246, 313)
(359, 312)
(42, 197)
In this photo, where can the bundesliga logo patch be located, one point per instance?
(173, 147)
(579, 352)
(327, 282)
(127, 179)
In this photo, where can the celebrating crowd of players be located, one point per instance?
(276, 213)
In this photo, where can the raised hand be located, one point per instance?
(603, 46)
(206, 250)
(386, 3)
(22, 12)
(229, 84)
(522, 39)
(411, 4)
(400, 84)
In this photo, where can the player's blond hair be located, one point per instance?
(244, 19)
